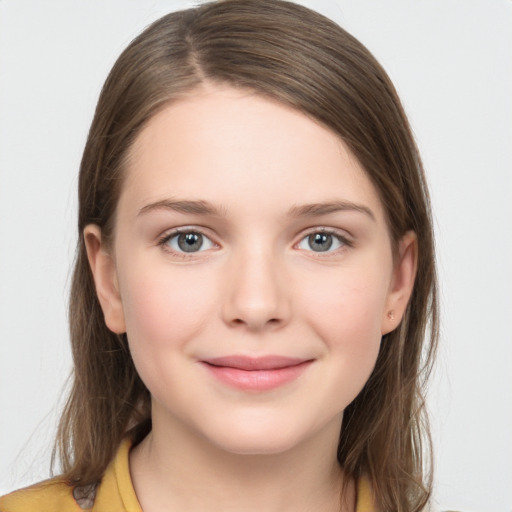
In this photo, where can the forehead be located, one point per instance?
(233, 146)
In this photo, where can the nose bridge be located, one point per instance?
(256, 294)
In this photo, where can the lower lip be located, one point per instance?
(257, 380)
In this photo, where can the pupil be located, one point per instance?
(320, 241)
(190, 242)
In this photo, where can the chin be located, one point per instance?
(267, 444)
(259, 438)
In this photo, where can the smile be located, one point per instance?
(256, 374)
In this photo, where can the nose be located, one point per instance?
(257, 296)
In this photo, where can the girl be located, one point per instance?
(254, 277)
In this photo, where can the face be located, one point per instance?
(251, 269)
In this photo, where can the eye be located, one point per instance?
(322, 241)
(187, 241)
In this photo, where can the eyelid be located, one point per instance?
(168, 235)
(342, 236)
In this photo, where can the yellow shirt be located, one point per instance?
(114, 494)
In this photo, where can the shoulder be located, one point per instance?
(364, 501)
(52, 495)
(114, 493)
(55, 495)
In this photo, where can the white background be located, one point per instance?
(452, 64)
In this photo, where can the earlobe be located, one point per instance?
(402, 284)
(103, 269)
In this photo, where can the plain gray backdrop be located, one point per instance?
(451, 62)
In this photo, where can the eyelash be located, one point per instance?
(178, 231)
(343, 240)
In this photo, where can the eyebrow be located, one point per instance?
(296, 211)
(193, 207)
(317, 209)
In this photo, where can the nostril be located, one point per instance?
(270, 321)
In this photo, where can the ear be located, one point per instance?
(103, 269)
(402, 283)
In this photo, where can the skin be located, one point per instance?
(257, 286)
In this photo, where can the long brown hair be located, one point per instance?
(300, 58)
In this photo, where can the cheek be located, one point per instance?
(347, 322)
(348, 305)
(164, 309)
(346, 314)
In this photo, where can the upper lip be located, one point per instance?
(270, 362)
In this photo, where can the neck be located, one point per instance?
(174, 470)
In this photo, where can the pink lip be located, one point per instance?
(256, 374)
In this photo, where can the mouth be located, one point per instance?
(256, 373)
